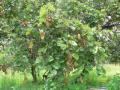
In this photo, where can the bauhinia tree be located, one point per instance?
(61, 36)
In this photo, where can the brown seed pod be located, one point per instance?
(81, 79)
(42, 35)
(4, 67)
(70, 62)
(24, 22)
(48, 21)
(66, 76)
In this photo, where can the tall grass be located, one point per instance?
(16, 82)
(110, 80)
(8, 82)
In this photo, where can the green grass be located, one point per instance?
(16, 82)
(110, 80)
(94, 80)
(112, 69)
(107, 80)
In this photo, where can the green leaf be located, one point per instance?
(62, 45)
(53, 73)
(43, 11)
(51, 7)
(73, 43)
(56, 66)
(50, 59)
(95, 49)
(41, 20)
(43, 50)
(75, 56)
(28, 31)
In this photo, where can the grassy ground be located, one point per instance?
(111, 70)
(111, 79)
(16, 82)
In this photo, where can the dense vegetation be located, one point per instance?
(58, 43)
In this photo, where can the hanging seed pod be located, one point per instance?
(30, 44)
(42, 35)
(48, 21)
(70, 62)
(78, 36)
(66, 76)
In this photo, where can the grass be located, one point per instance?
(16, 82)
(112, 69)
(108, 80)
(112, 82)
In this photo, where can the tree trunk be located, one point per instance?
(82, 75)
(33, 72)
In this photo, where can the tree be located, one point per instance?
(59, 36)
